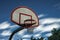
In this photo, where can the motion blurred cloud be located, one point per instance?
(6, 33)
(41, 15)
(46, 25)
(4, 25)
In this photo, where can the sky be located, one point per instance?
(46, 10)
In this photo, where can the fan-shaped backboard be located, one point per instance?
(24, 15)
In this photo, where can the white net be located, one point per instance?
(30, 30)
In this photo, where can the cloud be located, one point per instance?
(49, 20)
(48, 35)
(27, 36)
(46, 25)
(41, 15)
(48, 28)
(26, 39)
(6, 33)
(37, 35)
(4, 25)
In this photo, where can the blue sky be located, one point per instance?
(48, 7)
(46, 10)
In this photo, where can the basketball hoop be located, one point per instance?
(24, 17)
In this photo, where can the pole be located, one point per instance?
(17, 30)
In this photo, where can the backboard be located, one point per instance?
(24, 17)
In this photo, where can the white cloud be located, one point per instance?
(48, 35)
(6, 33)
(27, 36)
(45, 29)
(41, 15)
(26, 39)
(49, 20)
(37, 35)
(41, 28)
(50, 27)
(4, 25)
(53, 24)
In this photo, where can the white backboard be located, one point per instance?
(22, 14)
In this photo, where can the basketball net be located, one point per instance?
(30, 30)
